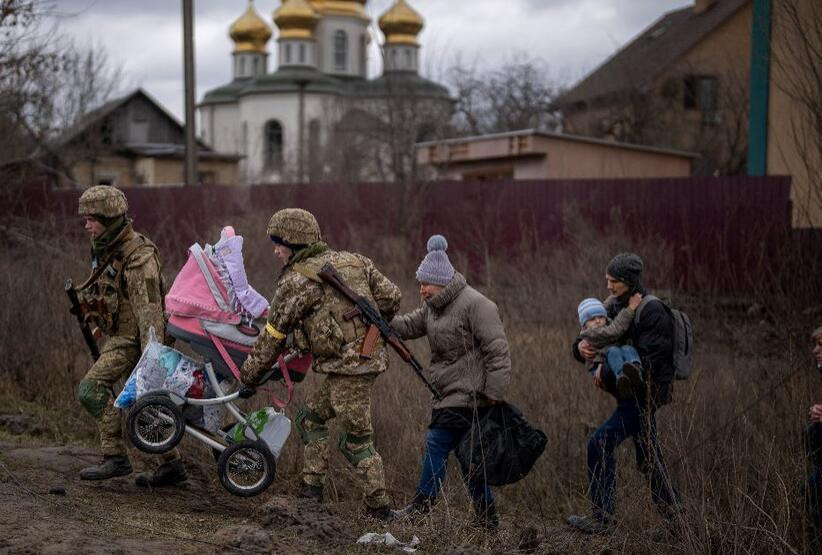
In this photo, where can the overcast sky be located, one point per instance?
(572, 36)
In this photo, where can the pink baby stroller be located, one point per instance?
(213, 308)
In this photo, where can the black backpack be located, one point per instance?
(501, 447)
(683, 337)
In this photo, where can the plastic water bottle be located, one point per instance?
(272, 426)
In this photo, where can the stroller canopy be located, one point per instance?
(213, 285)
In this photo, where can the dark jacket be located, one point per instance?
(653, 338)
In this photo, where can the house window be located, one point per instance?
(273, 144)
(140, 111)
(700, 93)
(340, 50)
(106, 178)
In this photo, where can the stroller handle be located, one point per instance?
(287, 358)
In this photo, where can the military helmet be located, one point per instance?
(103, 200)
(294, 226)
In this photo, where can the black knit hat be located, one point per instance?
(626, 267)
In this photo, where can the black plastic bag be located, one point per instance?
(502, 447)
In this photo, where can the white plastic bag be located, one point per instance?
(147, 375)
(160, 368)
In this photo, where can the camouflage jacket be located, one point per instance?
(313, 311)
(124, 293)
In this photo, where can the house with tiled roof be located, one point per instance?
(682, 83)
(128, 141)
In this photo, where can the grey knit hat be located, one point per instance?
(626, 267)
(435, 268)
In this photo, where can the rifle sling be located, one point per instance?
(306, 272)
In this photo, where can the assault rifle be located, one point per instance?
(77, 310)
(376, 324)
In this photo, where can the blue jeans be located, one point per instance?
(629, 420)
(439, 442)
(616, 357)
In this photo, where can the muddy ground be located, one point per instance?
(46, 508)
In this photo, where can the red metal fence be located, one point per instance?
(721, 227)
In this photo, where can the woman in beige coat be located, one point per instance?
(470, 366)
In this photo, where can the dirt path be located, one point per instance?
(46, 508)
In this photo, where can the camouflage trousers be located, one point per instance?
(347, 398)
(118, 358)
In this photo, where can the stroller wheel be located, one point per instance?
(155, 424)
(246, 468)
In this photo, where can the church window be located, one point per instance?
(288, 53)
(408, 59)
(273, 144)
(393, 59)
(242, 66)
(302, 53)
(340, 49)
(256, 66)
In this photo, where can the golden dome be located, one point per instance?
(401, 24)
(250, 32)
(296, 19)
(355, 8)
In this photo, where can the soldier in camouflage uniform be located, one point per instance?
(314, 313)
(123, 296)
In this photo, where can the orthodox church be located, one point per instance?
(318, 114)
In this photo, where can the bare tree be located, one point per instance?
(675, 112)
(517, 95)
(797, 59)
(47, 86)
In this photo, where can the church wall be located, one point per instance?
(357, 33)
(257, 110)
(221, 129)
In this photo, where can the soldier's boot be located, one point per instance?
(307, 491)
(420, 505)
(485, 515)
(169, 473)
(111, 467)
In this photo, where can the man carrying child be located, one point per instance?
(652, 335)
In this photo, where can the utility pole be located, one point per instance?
(188, 69)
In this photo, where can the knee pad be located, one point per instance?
(94, 396)
(315, 429)
(362, 447)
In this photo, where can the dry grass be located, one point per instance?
(739, 475)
